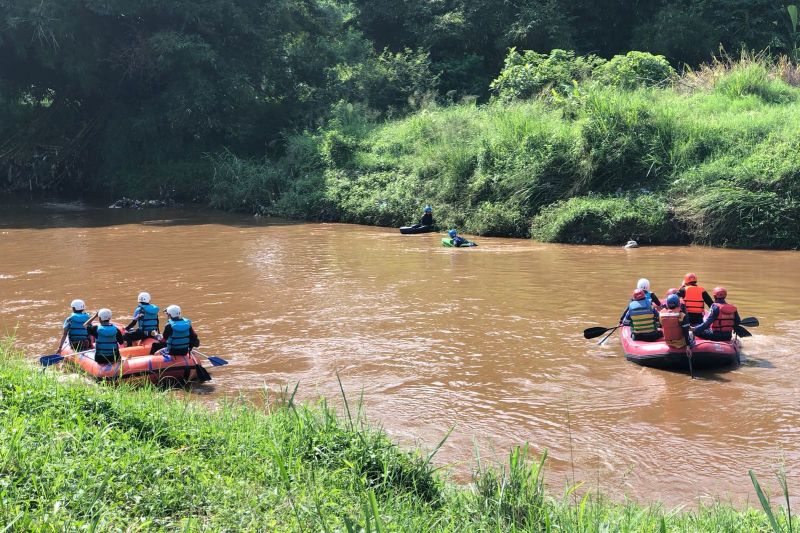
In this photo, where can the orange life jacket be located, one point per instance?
(694, 299)
(671, 320)
(725, 318)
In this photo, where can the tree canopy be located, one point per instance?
(134, 87)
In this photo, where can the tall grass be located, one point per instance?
(715, 147)
(75, 456)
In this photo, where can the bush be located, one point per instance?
(635, 69)
(732, 216)
(605, 220)
(244, 184)
(754, 79)
(498, 219)
(528, 74)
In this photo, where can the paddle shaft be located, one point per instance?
(607, 336)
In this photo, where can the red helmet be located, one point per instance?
(672, 291)
(638, 294)
(691, 277)
(720, 292)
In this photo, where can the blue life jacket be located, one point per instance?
(642, 317)
(148, 317)
(75, 325)
(106, 341)
(180, 338)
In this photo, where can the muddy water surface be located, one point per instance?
(485, 340)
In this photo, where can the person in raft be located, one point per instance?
(675, 324)
(179, 336)
(642, 317)
(457, 239)
(644, 284)
(721, 321)
(75, 328)
(674, 291)
(695, 297)
(107, 337)
(427, 217)
(146, 316)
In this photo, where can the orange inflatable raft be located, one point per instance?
(136, 364)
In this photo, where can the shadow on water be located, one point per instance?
(51, 215)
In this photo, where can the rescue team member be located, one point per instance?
(695, 297)
(642, 317)
(675, 324)
(722, 319)
(644, 284)
(179, 336)
(75, 329)
(675, 292)
(457, 239)
(107, 338)
(427, 217)
(146, 315)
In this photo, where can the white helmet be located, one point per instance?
(174, 311)
(104, 314)
(144, 297)
(643, 284)
(78, 305)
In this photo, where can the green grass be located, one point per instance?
(719, 148)
(76, 456)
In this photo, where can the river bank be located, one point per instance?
(79, 455)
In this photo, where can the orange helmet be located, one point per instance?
(691, 277)
(672, 291)
(638, 294)
(720, 292)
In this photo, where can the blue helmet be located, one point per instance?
(428, 209)
(673, 301)
(452, 233)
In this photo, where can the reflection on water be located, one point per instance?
(487, 340)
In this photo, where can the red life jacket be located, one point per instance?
(694, 299)
(725, 318)
(671, 320)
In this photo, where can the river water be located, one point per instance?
(485, 340)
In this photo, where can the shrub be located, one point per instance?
(636, 69)
(606, 220)
(754, 79)
(528, 74)
(500, 219)
(244, 184)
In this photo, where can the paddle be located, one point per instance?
(215, 361)
(593, 333)
(689, 356)
(54, 359)
(749, 321)
(742, 332)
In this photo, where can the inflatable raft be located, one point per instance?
(448, 243)
(136, 364)
(705, 353)
(413, 230)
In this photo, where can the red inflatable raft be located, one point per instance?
(137, 364)
(705, 353)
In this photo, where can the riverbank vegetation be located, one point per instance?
(83, 456)
(519, 119)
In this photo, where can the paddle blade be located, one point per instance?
(593, 333)
(202, 374)
(750, 321)
(48, 360)
(217, 361)
(742, 332)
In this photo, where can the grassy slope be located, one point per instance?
(76, 456)
(718, 164)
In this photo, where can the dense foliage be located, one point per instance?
(281, 106)
(82, 457)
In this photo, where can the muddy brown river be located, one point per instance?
(485, 340)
